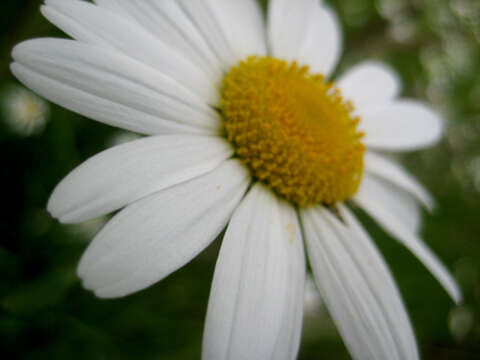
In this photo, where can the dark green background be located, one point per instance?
(44, 312)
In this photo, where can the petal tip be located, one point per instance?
(54, 208)
(107, 295)
(456, 294)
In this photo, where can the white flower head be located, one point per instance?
(246, 130)
(24, 112)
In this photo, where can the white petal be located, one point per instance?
(167, 21)
(400, 203)
(153, 237)
(255, 307)
(242, 25)
(402, 126)
(113, 79)
(233, 29)
(382, 283)
(386, 216)
(305, 31)
(112, 5)
(288, 23)
(372, 326)
(387, 169)
(93, 24)
(322, 46)
(97, 108)
(128, 172)
(369, 84)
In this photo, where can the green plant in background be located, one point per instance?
(433, 45)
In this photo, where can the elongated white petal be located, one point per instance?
(288, 23)
(128, 172)
(382, 284)
(359, 305)
(401, 126)
(255, 307)
(369, 84)
(167, 21)
(305, 31)
(97, 25)
(242, 24)
(233, 29)
(155, 236)
(322, 46)
(112, 5)
(387, 169)
(400, 203)
(387, 217)
(100, 109)
(113, 79)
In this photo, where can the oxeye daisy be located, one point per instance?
(247, 131)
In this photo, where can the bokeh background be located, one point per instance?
(45, 314)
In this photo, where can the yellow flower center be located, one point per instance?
(293, 130)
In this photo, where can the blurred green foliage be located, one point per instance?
(45, 313)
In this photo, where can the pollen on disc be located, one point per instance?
(293, 130)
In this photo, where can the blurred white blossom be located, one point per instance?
(389, 9)
(402, 29)
(23, 111)
(460, 322)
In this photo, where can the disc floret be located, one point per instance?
(294, 131)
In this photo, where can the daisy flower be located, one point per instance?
(246, 130)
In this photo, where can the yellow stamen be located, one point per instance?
(293, 130)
